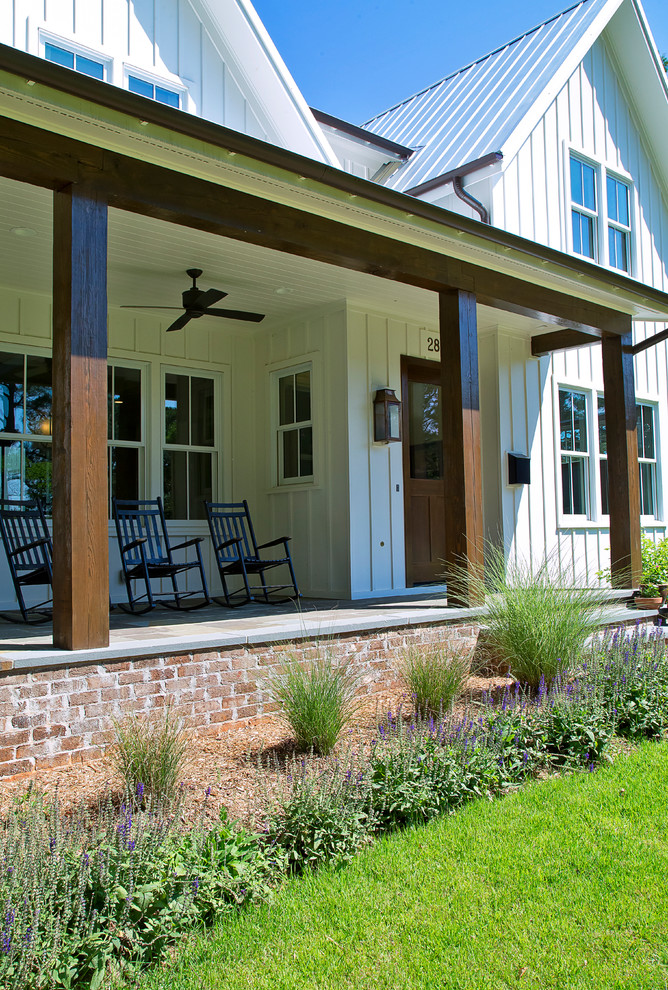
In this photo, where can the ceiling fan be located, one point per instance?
(198, 302)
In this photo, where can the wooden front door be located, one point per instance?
(424, 487)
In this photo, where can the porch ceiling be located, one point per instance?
(148, 258)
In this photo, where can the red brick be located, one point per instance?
(163, 674)
(131, 677)
(27, 721)
(56, 760)
(16, 766)
(52, 732)
(84, 698)
(71, 742)
(8, 753)
(116, 693)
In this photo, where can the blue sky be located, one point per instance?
(354, 58)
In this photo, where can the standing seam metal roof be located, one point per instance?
(475, 110)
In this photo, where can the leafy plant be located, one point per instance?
(316, 700)
(435, 674)
(538, 619)
(150, 755)
(654, 563)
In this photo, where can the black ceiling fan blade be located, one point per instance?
(210, 298)
(235, 314)
(157, 306)
(179, 323)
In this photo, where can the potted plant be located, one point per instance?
(654, 581)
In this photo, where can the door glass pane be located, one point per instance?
(201, 398)
(124, 472)
(286, 399)
(303, 396)
(175, 483)
(126, 403)
(11, 393)
(425, 431)
(305, 452)
(10, 470)
(290, 453)
(38, 473)
(200, 483)
(176, 409)
(38, 395)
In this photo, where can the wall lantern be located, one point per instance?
(386, 416)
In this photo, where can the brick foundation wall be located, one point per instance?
(54, 717)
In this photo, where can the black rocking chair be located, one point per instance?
(29, 550)
(146, 554)
(237, 553)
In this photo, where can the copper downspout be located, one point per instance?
(466, 197)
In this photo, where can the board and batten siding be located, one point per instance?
(314, 514)
(163, 38)
(592, 115)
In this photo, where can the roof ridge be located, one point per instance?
(477, 61)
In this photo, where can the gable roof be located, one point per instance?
(492, 104)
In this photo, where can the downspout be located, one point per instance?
(466, 197)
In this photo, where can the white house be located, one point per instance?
(143, 139)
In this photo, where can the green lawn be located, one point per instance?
(561, 885)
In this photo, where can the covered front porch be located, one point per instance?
(138, 190)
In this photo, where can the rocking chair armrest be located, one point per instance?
(227, 543)
(188, 543)
(134, 544)
(31, 546)
(274, 543)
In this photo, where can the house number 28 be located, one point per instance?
(434, 344)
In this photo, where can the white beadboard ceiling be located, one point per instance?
(148, 259)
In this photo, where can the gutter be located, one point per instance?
(455, 176)
(400, 150)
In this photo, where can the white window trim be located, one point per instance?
(171, 84)
(567, 520)
(602, 170)
(47, 38)
(278, 430)
(658, 494)
(302, 362)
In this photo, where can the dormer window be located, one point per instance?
(154, 91)
(73, 59)
(601, 214)
(584, 210)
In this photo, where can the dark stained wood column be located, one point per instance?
(623, 473)
(461, 440)
(80, 528)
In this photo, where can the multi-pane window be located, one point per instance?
(74, 60)
(25, 428)
(153, 91)
(584, 208)
(189, 457)
(125, 448)
(619, 224)
(295, 427)
(603, 457)
(574, 452)
(646, 459)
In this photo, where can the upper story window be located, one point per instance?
(73, 59)
(600, 215)
(153, 91)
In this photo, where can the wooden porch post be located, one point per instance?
(80, 528)
(461, 439)
(623, 472)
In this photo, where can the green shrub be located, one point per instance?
(436, 675)
(315, 700)
(538, 619)
(150, 755)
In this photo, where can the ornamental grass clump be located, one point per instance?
(538, 618)
(150, 754)
(436, 675)
(316, 700)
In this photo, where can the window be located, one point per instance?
(189, 458)
(74, 60)
(619, 224)
(25, 428)
(584, 211)
(646, 459)
(124, 404)
(574, 452)
(153, 91)
(603, 457)
(295, 427)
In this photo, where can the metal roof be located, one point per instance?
(474, 111)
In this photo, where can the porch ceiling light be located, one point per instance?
(386, 416)
(23, 231)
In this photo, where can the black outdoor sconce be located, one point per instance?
(386, 416)
(519, 469)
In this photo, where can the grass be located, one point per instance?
(559, 886)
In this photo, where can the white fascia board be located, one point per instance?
(247, 47)
(529, 120)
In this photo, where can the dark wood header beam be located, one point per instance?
(40, 157)
(561, 340)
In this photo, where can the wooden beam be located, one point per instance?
(561, 340)
(461, 444)
(43, 158)
(623, 472)
(656, 338)
(80, 504)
